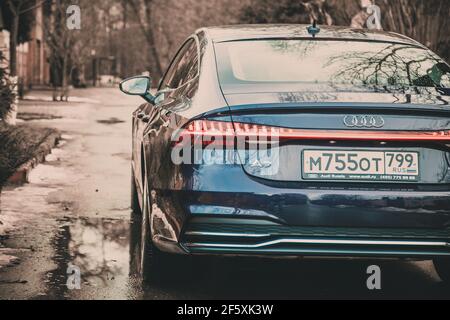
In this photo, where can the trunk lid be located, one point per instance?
(335, 117)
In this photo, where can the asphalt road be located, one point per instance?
(76, 212)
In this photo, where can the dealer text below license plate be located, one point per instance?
(360, 165)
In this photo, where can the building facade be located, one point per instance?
(33, 68)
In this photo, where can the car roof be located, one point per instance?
(268, 31)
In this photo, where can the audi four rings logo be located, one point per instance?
(364, 121)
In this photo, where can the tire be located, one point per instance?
(154, 264)
(135, 207)
(147, 262)
(135, 229)
(442, 266)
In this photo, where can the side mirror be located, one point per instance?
(137, 86)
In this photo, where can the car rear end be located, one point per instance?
(338, 148)
(392, 198)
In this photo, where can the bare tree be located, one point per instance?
(423, 20)
(288, 11)
(85, 41)
(143, 11)
(60, 41)
(426, 21)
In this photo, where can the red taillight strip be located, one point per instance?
(366, 135)
(212, 128)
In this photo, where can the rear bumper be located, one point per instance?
(219, 211)
(263, 238)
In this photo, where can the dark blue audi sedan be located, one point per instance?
(289, 140)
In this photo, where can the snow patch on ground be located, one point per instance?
(6, 224)
(55, 155)
(44, 179)
(7, 259)
(48, 174)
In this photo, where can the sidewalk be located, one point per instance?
(45, 95)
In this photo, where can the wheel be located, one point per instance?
(135, 207)
(146, 261)
(154, 264)
(135, 229)
(442, 266)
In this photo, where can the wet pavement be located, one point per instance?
(75, 212)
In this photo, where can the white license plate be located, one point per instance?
(360, 165)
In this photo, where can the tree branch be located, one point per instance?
(33, 7)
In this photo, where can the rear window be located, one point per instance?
(330, 62)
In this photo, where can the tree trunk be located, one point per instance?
(11, 117)
(151, 38)
(82, 75)
(147, 30)
(64, 76)
(155, 55)
(13, 45)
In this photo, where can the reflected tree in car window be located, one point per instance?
(300, 49)
(359, 65)
(393, 65)
(187, 68)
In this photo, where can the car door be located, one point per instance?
(136, 139)
(153, 116)
(173, 91)
(141, 118)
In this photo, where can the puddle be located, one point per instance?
(124, 155)
(98, 247)
(7, 259)
(31, 116)
(112, 120)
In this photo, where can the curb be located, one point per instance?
(21, 175)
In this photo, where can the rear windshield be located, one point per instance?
(351, 63)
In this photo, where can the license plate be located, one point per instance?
(360, 165)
